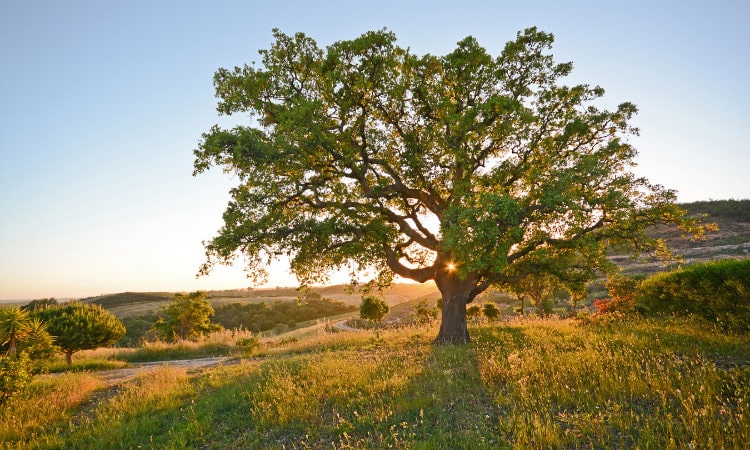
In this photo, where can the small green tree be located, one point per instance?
(373, 308)
(187, 317)
(14, 326)
(491, 311)
(39, 345)
(80, 326)
(424, 313)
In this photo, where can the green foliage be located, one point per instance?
(15, 325)
(539, 287)
(187, 317)
(451, 168)
(473, 311)
(15, 374)
(78, 326)
(39, 345)
(717, 291)
(138, 329)
(128, 298)
(263, 316)
(373, 308)
(623, 291)
(424, 313)
(490, 311)
(23, 333)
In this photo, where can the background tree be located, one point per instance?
(373, 308)
(424, 312)
(187, 317)
(80, 326)
(538, 287)
(450, 168)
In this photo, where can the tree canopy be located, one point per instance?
(460, 168)
(80, 326)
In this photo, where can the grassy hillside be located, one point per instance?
(732, 240)
(541, 384)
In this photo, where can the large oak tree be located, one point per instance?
(465, 169)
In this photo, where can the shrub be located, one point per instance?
(622, 291)
(15, 325)
(717, 291)
(491, 312)
(15, 374)
(473, 311)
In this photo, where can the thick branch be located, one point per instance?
(420, 275)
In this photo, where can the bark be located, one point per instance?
(456, 292)
(69, 358)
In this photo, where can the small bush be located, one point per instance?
(15, 374)
(717, 291)
(622, 291)
(491, 311)
(473, 311)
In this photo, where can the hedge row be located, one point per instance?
(718, 291)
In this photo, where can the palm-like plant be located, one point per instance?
(15, 325)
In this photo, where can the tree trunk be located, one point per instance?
(69, 358)
(456, 293)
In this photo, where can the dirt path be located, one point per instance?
(341, 325)
(118, 376)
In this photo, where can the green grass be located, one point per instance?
(88, 364)
(520, 384)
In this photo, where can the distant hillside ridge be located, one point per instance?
(126, 298)
(730, 241)
(127, 304)
(734, 210)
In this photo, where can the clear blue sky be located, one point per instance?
(102, 103)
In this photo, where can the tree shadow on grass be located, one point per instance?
(409, 394)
